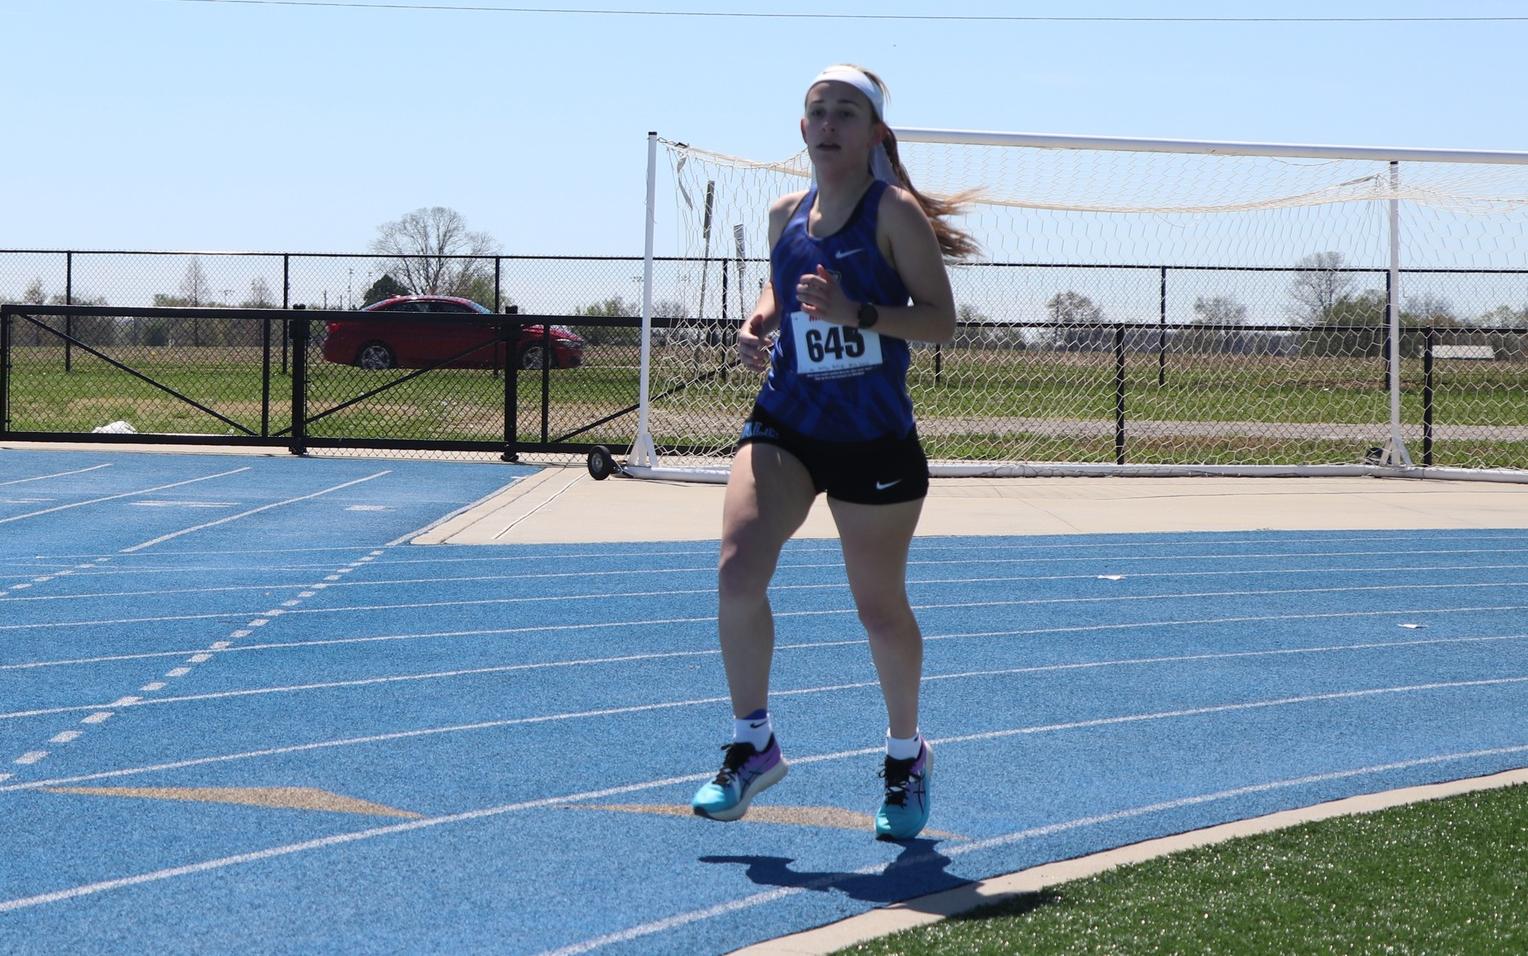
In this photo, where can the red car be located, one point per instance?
(418, 331)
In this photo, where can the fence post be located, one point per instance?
(546, 379)
(1427, 397)
(509, 334)
(1162, 333)
(69, 319)
(286, 303)
(1119, 394)
(5, 373)
(299, 336)
(1385, 345)
(265, 378)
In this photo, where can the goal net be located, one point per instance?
(1144, 307)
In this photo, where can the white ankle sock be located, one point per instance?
(899, 748)
(755, 729)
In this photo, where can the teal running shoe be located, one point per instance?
(905, 809)
(745, 773)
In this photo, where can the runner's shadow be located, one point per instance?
(918, 870)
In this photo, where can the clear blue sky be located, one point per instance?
(163, 124)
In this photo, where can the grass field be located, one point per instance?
(979, 405)
(1445, 877)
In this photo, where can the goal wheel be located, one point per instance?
(601, 464)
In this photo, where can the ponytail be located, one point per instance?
(954, 243)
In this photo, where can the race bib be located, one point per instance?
(825, 350)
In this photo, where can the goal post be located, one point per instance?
(1143, 307)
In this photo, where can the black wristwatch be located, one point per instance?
(868, 315)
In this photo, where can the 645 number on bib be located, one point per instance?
(824, 349)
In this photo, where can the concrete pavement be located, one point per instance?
(566, 505)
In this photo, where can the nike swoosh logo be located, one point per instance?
(846, 253)
(883, 485)
(759, 724)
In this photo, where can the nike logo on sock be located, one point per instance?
(758, 725)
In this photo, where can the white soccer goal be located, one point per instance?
(1144, 307)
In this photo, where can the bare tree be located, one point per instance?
(1220, 314)
(1076, 322)
(1429, 309)
(424, 250)
(194, 289)
(1319, 286)
(259, 295)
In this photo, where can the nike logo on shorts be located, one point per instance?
(883, 485)
(846, 253)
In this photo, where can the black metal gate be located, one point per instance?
(283, 378)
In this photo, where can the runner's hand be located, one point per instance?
(754, 342)
(822, 297)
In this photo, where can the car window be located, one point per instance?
(455, 307)
(403, 307)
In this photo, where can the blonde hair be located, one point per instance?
(953, 242)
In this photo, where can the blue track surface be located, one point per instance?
(177, 627)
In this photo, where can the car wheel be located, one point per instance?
(533, 356)
(375, 356)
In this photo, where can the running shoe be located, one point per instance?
(905, 809)
(745, 772)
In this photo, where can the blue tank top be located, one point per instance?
(835, 382)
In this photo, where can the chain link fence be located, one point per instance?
(1141, 364)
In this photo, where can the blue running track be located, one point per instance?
(240, 713)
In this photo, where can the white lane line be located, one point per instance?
(831, 585)
(31, 757)
(178, 672)
(244, 514)
(519, 721)
(100, 717)
(830, 688)
(489, 812)
(961, 605)
(126, 620)
(842, 586)
(153, 687)
(58, 474)
(125, 494)
(1173, 547)
(787, 566)
(827, 586)
(199, 658)
(369, 608)
(1008, 839)
(956, 635)
(68, 736)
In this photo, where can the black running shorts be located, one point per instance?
(885, 471)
